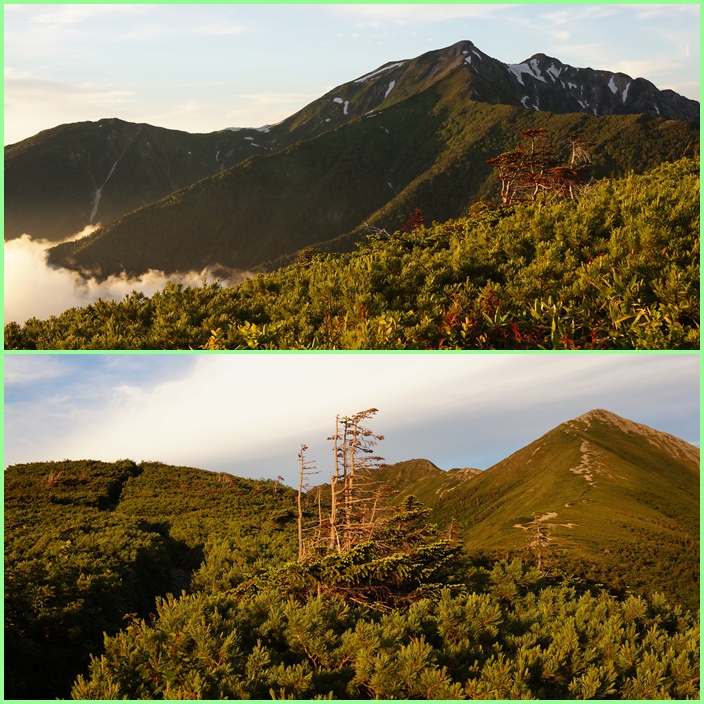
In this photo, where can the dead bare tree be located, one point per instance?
(540, 542)
(307, 468)
(533, 168)
(353, 445)
(356, 505)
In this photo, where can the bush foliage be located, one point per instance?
(517, 638)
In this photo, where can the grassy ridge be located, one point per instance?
(89, 545)
(634, 524)
(617, 269)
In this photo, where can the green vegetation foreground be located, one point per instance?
(409, 615)
(517, 639)
(618, 269)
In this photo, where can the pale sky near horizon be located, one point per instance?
(201, 68)
(248, 413)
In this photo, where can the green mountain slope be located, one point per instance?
(74, 175)
(620, 502)
(428, 151)
(88, 542)
(419, 478)
(617, 269)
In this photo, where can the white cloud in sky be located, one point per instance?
(647, 12)
(28, 97)
(249, 108)
(575, 13)
(250, 412)
(25, 369)
(66, 14)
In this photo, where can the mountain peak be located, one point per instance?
(664, 441)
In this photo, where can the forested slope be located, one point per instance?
(429, 151)
(618, 269)
(511, 635)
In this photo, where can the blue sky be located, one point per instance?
(249, 413)
(205, 67)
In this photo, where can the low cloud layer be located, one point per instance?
(33, 288)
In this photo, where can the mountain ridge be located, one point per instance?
(609, 492)
(161, 162)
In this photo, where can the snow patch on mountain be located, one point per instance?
(344, 107)
(612, 85)
(390, 88)
(536, 70)
(625, 91)
(337, 100)
(530, 68)
(366, 77)
(553, 72)
(98, 193)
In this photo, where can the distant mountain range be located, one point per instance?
(412, 133)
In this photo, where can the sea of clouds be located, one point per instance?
(35, 289)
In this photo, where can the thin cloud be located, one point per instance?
(648, 12)
(415, 14)
(277, 106)
(651, 69)
(222, 29)
(26, 85)
(20, 370)
(578, 13)
(249, 412)
(158, 30)
(26, 100)
(71, 14)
